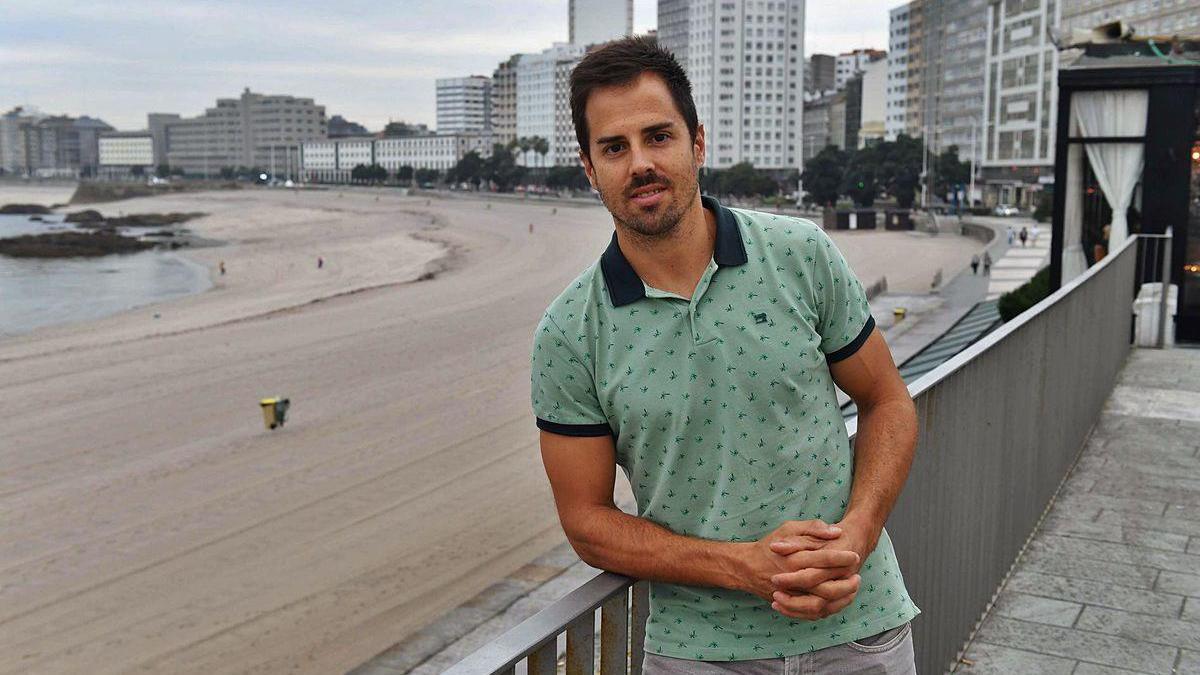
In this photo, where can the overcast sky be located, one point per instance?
(368, 61)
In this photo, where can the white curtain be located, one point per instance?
(1117, 166)
(1074, 262)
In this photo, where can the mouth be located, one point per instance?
(648, 196)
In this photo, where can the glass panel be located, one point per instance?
(1191, 270)
(1097, 215)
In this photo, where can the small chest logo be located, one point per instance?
(760, 318)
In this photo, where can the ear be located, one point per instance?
(588, 169)
(698, 147)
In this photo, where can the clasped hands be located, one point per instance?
(808, 569)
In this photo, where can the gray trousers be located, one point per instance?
(889, 653)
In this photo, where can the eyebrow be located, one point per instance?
(645, 131)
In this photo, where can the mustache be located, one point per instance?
(647, 179)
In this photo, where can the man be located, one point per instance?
(700, 354)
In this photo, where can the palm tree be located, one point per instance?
(541, 146)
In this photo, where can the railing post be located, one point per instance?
(581, 645)
(544, 660)
(614, 636)
(641, 611)
(1165, 286)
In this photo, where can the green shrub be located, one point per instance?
(1045, 204)
(1025, 296)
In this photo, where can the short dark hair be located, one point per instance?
(621, 62)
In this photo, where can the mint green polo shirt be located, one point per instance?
(724, 416)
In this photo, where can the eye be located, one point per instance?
(613, 149)
(660, 137)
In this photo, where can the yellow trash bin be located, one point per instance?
(899, 313)
(274, 411)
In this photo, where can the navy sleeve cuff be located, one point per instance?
(574, 429)
(855, 344)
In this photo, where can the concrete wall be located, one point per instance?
(1001, 425)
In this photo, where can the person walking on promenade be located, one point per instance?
(1024, 235)
(700, 354)
(975, 264)
(1034, 231)
(987, 263)
(320, 262)
(1011, 235)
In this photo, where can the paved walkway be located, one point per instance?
(1111, 582)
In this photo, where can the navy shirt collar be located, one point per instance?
(624, 284)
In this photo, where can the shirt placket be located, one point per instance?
(695, 315)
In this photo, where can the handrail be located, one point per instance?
(964, 435)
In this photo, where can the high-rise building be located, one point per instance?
(1021, 95)
(125, 152)
(543, 103)
(464, 104)
(504, 101)
(1019, 99)
(955, 52)
(819, 72)
(902, 63)
(873, 108)
(14, 151)
(60, 145)
(1156, 17)
(253, 130)
(596, 21)
(849, 64)
(156, 124)
(817, 124)
(745, 60)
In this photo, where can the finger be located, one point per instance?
(801, 605)
(836, 589)
(816, 528)
(838, 605)
(802, 580)
(819, 558)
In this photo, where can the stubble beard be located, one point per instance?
(651, 226)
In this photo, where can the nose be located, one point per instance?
(640, 162)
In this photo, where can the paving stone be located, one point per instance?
(991, 659)
(1098, 593)
(1109, 531)
(1141, 557)
(1037, 608)
(1145, 433)
(1084, 568)
(1179, 582)
(1189, 662)
(1166, 523)
(1077, 644)
(1147, 489)
(1085, 668)
(1194, 545)
(1155, 629)
(1191, 610)
(1116, 460)
(1082, 502)
(1185, 511)
(1171, 404)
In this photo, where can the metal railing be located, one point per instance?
(1001, 425)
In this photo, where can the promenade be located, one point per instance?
(1110, 583)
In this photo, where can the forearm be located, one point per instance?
(609, 539)
(883, 454)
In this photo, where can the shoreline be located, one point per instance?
(221, 236)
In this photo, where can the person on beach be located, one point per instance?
(320, 262)
(221, 266)
(975, 264)
(699, 353)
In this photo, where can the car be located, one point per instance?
(1006, 210)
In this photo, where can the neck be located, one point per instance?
(673, 263)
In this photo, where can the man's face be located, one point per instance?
(642, 161)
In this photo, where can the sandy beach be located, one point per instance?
(148, 521)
